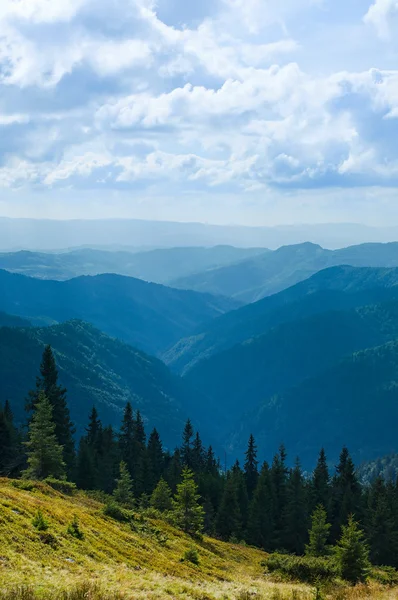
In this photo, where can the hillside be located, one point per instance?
(336, 288)
(158, 266)
(143, 560)
(353, 403)
(289, 353)
(96, 370)
(13, 321)
(272, 272)
(149, 316)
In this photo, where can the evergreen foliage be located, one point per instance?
(187, 511)
(123, 493)
(318, 534)
(44, 455)
(352, 553)
(161, 497)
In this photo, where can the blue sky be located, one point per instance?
(226, 111)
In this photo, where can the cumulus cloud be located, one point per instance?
(99, 94)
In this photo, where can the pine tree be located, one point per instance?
(187, 511)
(260, 527)
(198, 455)
(242, 495)
(123, 493)
(381, 528)
(47, 382)
(107, 459)
(251, 467)
(94, 430)
(86, 477)
(173, 471)
(10, 455)
(229, 518)
(279, 476)
(352, 553)
(320, 484)
(186, 449)
(161, 497)
(319, 533)
(126, 438)
(44, 451)
(155, 456)
(296, 518)
(346, 494)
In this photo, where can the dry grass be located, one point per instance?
(114, 561)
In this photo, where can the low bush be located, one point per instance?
(39, 522)
(191, 556)
(302, 568)
(115, 511)
(74, 529)
(384, 575)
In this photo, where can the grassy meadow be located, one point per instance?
(141, 559)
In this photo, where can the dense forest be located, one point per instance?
(273, 506)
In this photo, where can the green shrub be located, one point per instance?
(39, 522)
(191, 556)
(61, 485)
(302, 568)
(384, 575)
(113, 510)
(24, 484)
(74, 529)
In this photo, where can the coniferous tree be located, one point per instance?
(242, 495)
(86, 477)
(197, 454)
(186, 448)
(229, 518)
(173, 471)
(381, 530)
(126, 438)
(296, 518)
(352, 553)
(187, 511)
(155, 456)
(320, 484)
(346, 496)
(44, 451)
(260, 528)
(251, 467)
(279, 476)
(47, 383)
(107, 460)
(10, 455)
(123, 493)
(319, 533)
(161, 497)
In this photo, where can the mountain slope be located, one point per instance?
(336, 288)
(355, 402)
(289, 353)
(271, 272)
(158, 266)
(149, 316)
(96, 370)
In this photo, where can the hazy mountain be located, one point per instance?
(336, 288)
(159, 266)
(97, 370)
(271, 272)
(32, 234)
(149, 316)
(354, 402)
(13, 321)
(238, 379)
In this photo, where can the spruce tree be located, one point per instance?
(123, 493)
(352, 553)
(155, 457)
(47, 382)
(346, 494)
(242, 495)
(44, 451)
(279, 477)
(296, 518)
(10, 455)
(320, 484)
(174, 469)
(161, 497)
(126, 438)
(86, 476)
(229, 518)
(260, 527)
(251, 467)
(319, 533)
(107, 460)
(381, 528)
(197, 454)
(186, 449)
(187, 511)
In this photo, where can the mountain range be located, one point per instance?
(149, 316)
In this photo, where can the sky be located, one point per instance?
(221, 111)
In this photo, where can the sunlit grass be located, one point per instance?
(119, 561)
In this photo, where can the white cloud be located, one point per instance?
(382, 15)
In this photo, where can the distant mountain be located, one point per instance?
(34, 234)
(97, 370)
(246, 374)
(353, 403)
(149, 316)
(13, 321)
(158, 266)
(269, 273)
(336, 288)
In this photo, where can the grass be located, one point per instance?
(116, 560)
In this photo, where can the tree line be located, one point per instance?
(271, 506)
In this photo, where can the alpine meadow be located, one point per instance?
(198, 300)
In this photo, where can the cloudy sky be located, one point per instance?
(226, 111)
